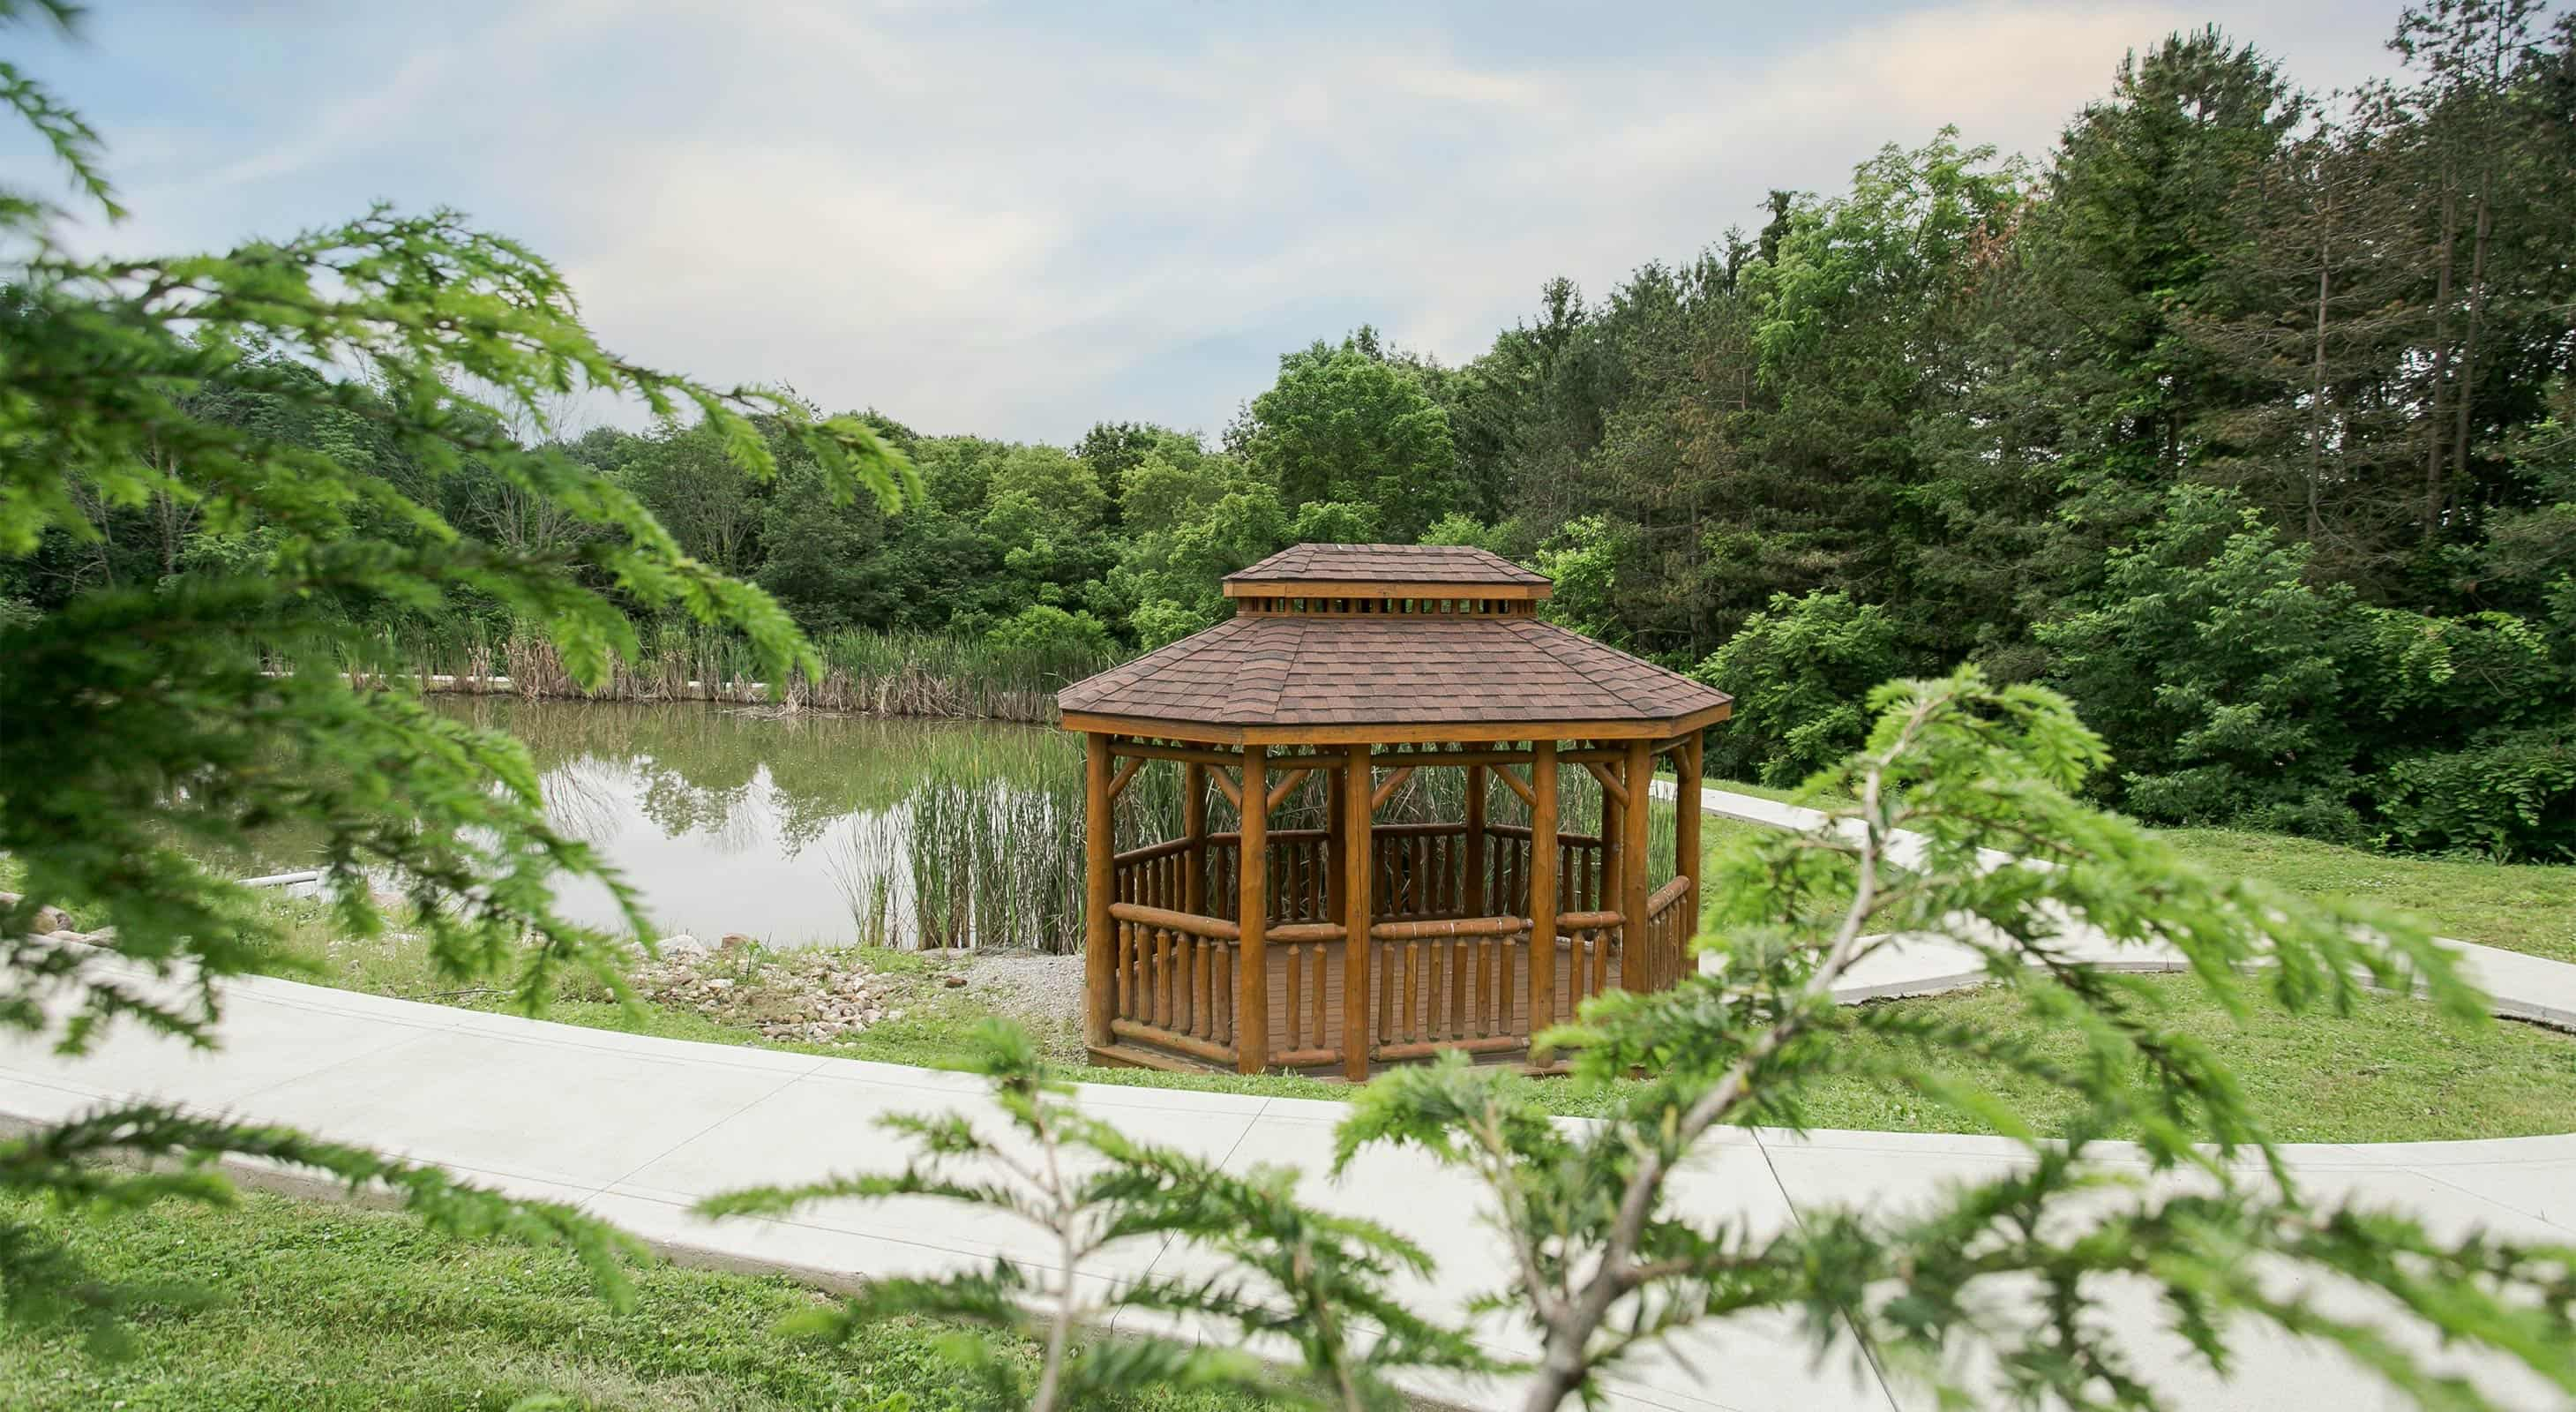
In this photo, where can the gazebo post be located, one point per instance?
(1099, 936)
(1640, 772)
(1614, 837)
(1357, 1031)
(1475, 900)
(1194, 793)
(1542, 885)
(1686, 845)
(1252, 965)
(1333, 821)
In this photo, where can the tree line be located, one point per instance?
(2244, 415)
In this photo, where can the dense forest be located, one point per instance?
(2244, 415)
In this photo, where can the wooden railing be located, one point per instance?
(1663, 958)
(1155, 876)
(1421, 872)
(1578, 871)
(1453, 984)
(1450, 960)
(1306, 1001)
(1176, 983)
(1591, 952)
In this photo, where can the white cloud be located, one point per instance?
(978, 225)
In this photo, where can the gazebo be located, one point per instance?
(1362, 944)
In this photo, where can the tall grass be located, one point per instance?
(880, 673)
(980, 854)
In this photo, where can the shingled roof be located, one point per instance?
(1265, 677)
(1445, 565)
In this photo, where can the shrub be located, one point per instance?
(1799, 673)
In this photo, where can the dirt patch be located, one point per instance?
(819, 995)
(1040, 991)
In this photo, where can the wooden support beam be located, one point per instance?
(1126, 772)
(1520, 786)
(1225, 785)
(1392, 759)
(1633, 899)
(1592, 755)
(1288, 780)
(1686, 842)
(1252, 965)
(1395, 781)
(1542, 887)
(1335, 818)
(1191, 754)
(1099, 929)
(1359, 1034)
(1614, 837)
(1479, 896)
(1194, 792)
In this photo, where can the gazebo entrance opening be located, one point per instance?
(1352, 679)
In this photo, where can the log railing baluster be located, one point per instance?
(1296, 1021)
(1323, 1011)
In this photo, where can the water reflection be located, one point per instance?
(803, 828)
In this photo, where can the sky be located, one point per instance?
(1021, 220)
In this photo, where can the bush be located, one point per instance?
(1045, 630)
(2513, 795)
(1800, 673)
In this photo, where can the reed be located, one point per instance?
(876, 673)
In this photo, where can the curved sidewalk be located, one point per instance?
(638, 1129)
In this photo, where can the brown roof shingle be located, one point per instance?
(1290, 670)
(1386, 563)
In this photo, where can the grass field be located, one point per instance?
(2391, 1070)
(328, 1309)
(2519, 907)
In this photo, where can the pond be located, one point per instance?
(815, 828)
(801, 828)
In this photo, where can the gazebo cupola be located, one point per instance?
(1360, 943)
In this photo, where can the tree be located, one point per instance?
(147, 716)
(711, 506)
(2017, 1270)
(1346, 424)
(1800, 673)
(2217, 672)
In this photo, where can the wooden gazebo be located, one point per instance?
(1361, 943)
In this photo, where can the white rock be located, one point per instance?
(683, 942)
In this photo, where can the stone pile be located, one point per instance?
(808, 996)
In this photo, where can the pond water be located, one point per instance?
(804, 828)
(809, 828)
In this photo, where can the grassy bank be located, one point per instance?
(320, 1308)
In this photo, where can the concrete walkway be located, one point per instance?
(637, 1129)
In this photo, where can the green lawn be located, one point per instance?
(2391, 1070)
(324, 1307)
(2519, 907)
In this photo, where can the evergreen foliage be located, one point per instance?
(1293, 1279)
(198, 696)
(2000, 1293)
